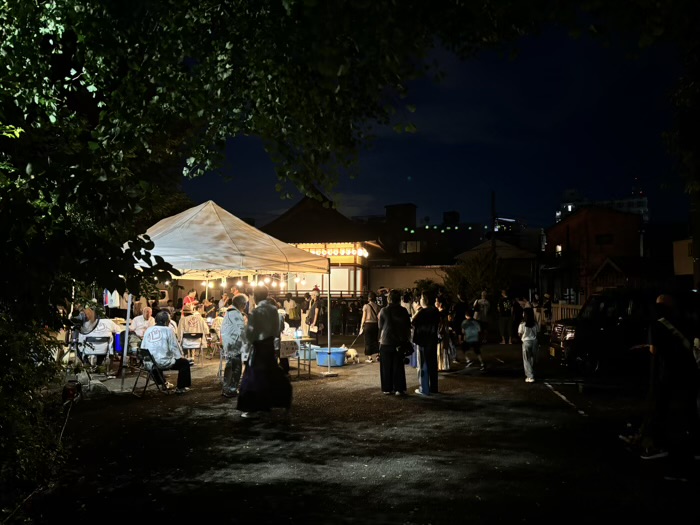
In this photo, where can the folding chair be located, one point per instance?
(91, 350)
(154, 373)
(213, 343)
(193, 341)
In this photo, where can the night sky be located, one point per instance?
(562, 114)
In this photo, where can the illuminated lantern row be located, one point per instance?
(342, 252)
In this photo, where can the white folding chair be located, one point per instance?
(95, 351)
(194, 341)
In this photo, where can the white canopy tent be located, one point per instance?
(208, 242)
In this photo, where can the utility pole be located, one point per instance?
(494, 258)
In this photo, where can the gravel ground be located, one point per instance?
(489, 449)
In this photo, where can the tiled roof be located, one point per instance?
(312, 220)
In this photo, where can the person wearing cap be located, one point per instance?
(191, 324)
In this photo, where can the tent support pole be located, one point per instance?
(328, 327)
(125, 342)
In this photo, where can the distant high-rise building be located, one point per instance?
(636, 203)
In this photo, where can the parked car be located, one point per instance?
(611, 332)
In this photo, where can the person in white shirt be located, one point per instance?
(141, 323)
(292, 311)
(94, 326)
(224, 301)
(161, 342)
(527, 331)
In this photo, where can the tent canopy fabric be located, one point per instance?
(208, 242)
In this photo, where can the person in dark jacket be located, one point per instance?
(671, 426)
(394, 329)
(425, 337)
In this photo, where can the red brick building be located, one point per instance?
(593, 248)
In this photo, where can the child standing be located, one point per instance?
(471, 329)
(527, 331)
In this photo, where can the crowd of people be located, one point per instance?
(426, 328)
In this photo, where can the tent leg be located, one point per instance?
(328, 328)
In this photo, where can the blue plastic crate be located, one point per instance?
(337, 356)
(308, 353)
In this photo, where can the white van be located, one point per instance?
(163, 297)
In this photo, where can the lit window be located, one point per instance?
(558, 249)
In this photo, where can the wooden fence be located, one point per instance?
(564, 311)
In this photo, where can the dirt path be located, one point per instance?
(489, 449)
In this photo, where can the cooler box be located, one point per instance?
(337, 356)
(119, 342)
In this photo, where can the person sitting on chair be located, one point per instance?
(161, 342)
(192, 323)
(139, 324)
(94, 326)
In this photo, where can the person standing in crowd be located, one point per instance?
(209, 308)
(470, 335)
(161, 342)
(407, 302)
(671, 426)
(224, 302)
(369, 326)
(264, 384)
(139, 325)
(425, 324)
(417, 297)
(394, 326)
(481, 309)
(528, 331)
(381, 297)
(344, 309)
(505, 317)
(233, 340)
(547, 311)
(444, 334)
(352, 325)
(314, 319)
(292, 312)
(458, 310)
(537, 307)
(190, 299)
(305, 313)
